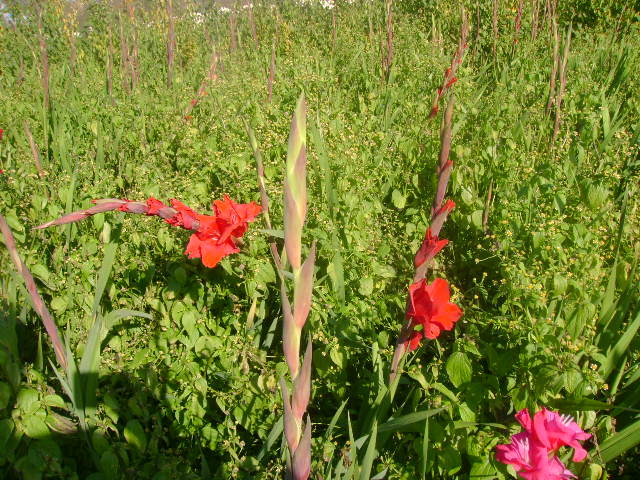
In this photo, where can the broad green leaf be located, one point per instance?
(54, 401)
(398, 199)
(621, 346)
(459, 368)
(135, 436)
(35, 427)
(5, 395)
(111, 319)
(366, 286)
(27, 398)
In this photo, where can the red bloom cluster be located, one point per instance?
(429, 306)
(532, 452)
(215, 235)
(1, 133)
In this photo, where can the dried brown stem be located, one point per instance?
(518, 22)
(487, 207)
(134, 57)
(272, 73)
(110, 67)
(494, 24)
(388, 62)
(562, 74)
(125, 61)
(44, 61)
(34, 149)
(171, 43)
(535, 12)
(252, 26)
(233, 31)
(554, 67)
(202, 91)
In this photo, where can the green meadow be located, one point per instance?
(164, 368)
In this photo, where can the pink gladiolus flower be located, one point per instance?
(531, 459)
(555, 431)
(532, 452)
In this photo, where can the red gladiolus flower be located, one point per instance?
(1, 133)
(430, 307)
(216, 235)
(429, 249)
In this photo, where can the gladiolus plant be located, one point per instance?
(215, 236)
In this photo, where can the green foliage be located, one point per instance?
(177, 365)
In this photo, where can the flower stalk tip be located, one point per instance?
(295, 186)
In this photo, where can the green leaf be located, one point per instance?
(450, 460)
(189, 320)
(579, 405)
(87, 378)
(621, 346)
(397, 424)
(6, 430)
(337, 356)
(59, 304)
(135, 436)
(27, 398)
(459, 368)
(335, 270)
(5, 395)
(619, 443)
(476, 219)
(104, 273)
(366, 286)
(54, 401)
(109, 465)
(111, 319)
(274, 435)
(35, 427)
(398, 199)
(370, 453)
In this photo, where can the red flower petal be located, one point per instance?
(430, 307)
(430, 247)
(212, 253)
(154, 206)
(186, 217)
